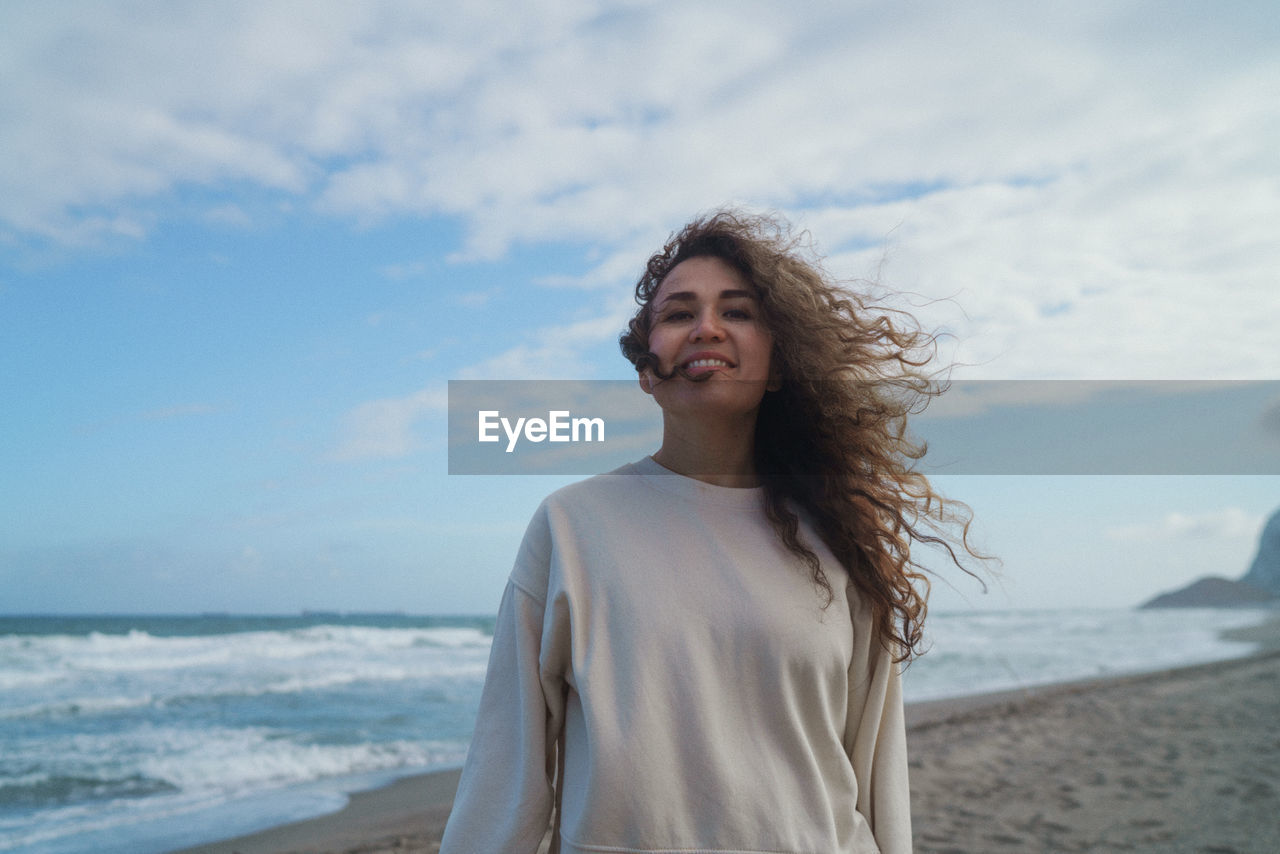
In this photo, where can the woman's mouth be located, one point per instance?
(695, 366)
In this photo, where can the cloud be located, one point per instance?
(556, 351)
(401, 272)
(476, 299)
(1097, 173)
(229, 215)
(384, 429)
(1227, 523)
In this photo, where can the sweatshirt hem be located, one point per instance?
(568, 846)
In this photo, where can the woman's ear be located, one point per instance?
(646, 381)
(775, 375)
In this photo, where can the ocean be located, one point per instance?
(140, 735)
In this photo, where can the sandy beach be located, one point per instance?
(1184, 760)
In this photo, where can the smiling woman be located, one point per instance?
(707, 329)
(699, 651)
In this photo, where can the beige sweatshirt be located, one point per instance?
(703, 701)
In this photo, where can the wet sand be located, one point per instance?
(1184, 760)
(1179, 761)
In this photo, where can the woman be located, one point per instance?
(699, 651)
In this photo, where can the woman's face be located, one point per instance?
(707, 321)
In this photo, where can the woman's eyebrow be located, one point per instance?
(690, 296)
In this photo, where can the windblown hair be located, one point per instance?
(832, 441)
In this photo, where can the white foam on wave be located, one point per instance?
(99, 673)
(123, 730)
(384, 638)
(225, 760)
(139, 650)
(995, 651)
(77, 706)
(199, 769)
(13, 680)
(233, 762)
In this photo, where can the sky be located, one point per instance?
(245, 246)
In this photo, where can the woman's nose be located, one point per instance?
(708, 327)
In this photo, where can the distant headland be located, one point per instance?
(1259, 587)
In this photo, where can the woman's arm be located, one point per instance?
(505, 796)
(876, 739)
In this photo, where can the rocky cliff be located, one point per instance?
(1213, 592)
(1264, 572)
(1259, 586)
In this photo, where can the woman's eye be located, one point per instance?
(676, 316)
(738, 314)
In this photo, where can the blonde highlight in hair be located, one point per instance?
(832, 441)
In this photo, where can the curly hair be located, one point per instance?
(832, 442)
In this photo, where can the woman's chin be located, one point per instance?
(715, 397)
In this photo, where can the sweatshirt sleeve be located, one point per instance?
(505, 795)
(876, 739)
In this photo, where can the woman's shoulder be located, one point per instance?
(610, 488)
(647, 487)
(583, 513)
(602, 495)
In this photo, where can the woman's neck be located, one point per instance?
(721, 455)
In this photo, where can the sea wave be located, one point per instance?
(140, 650)
(972, 653)
(88, 783)
(190, 721)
